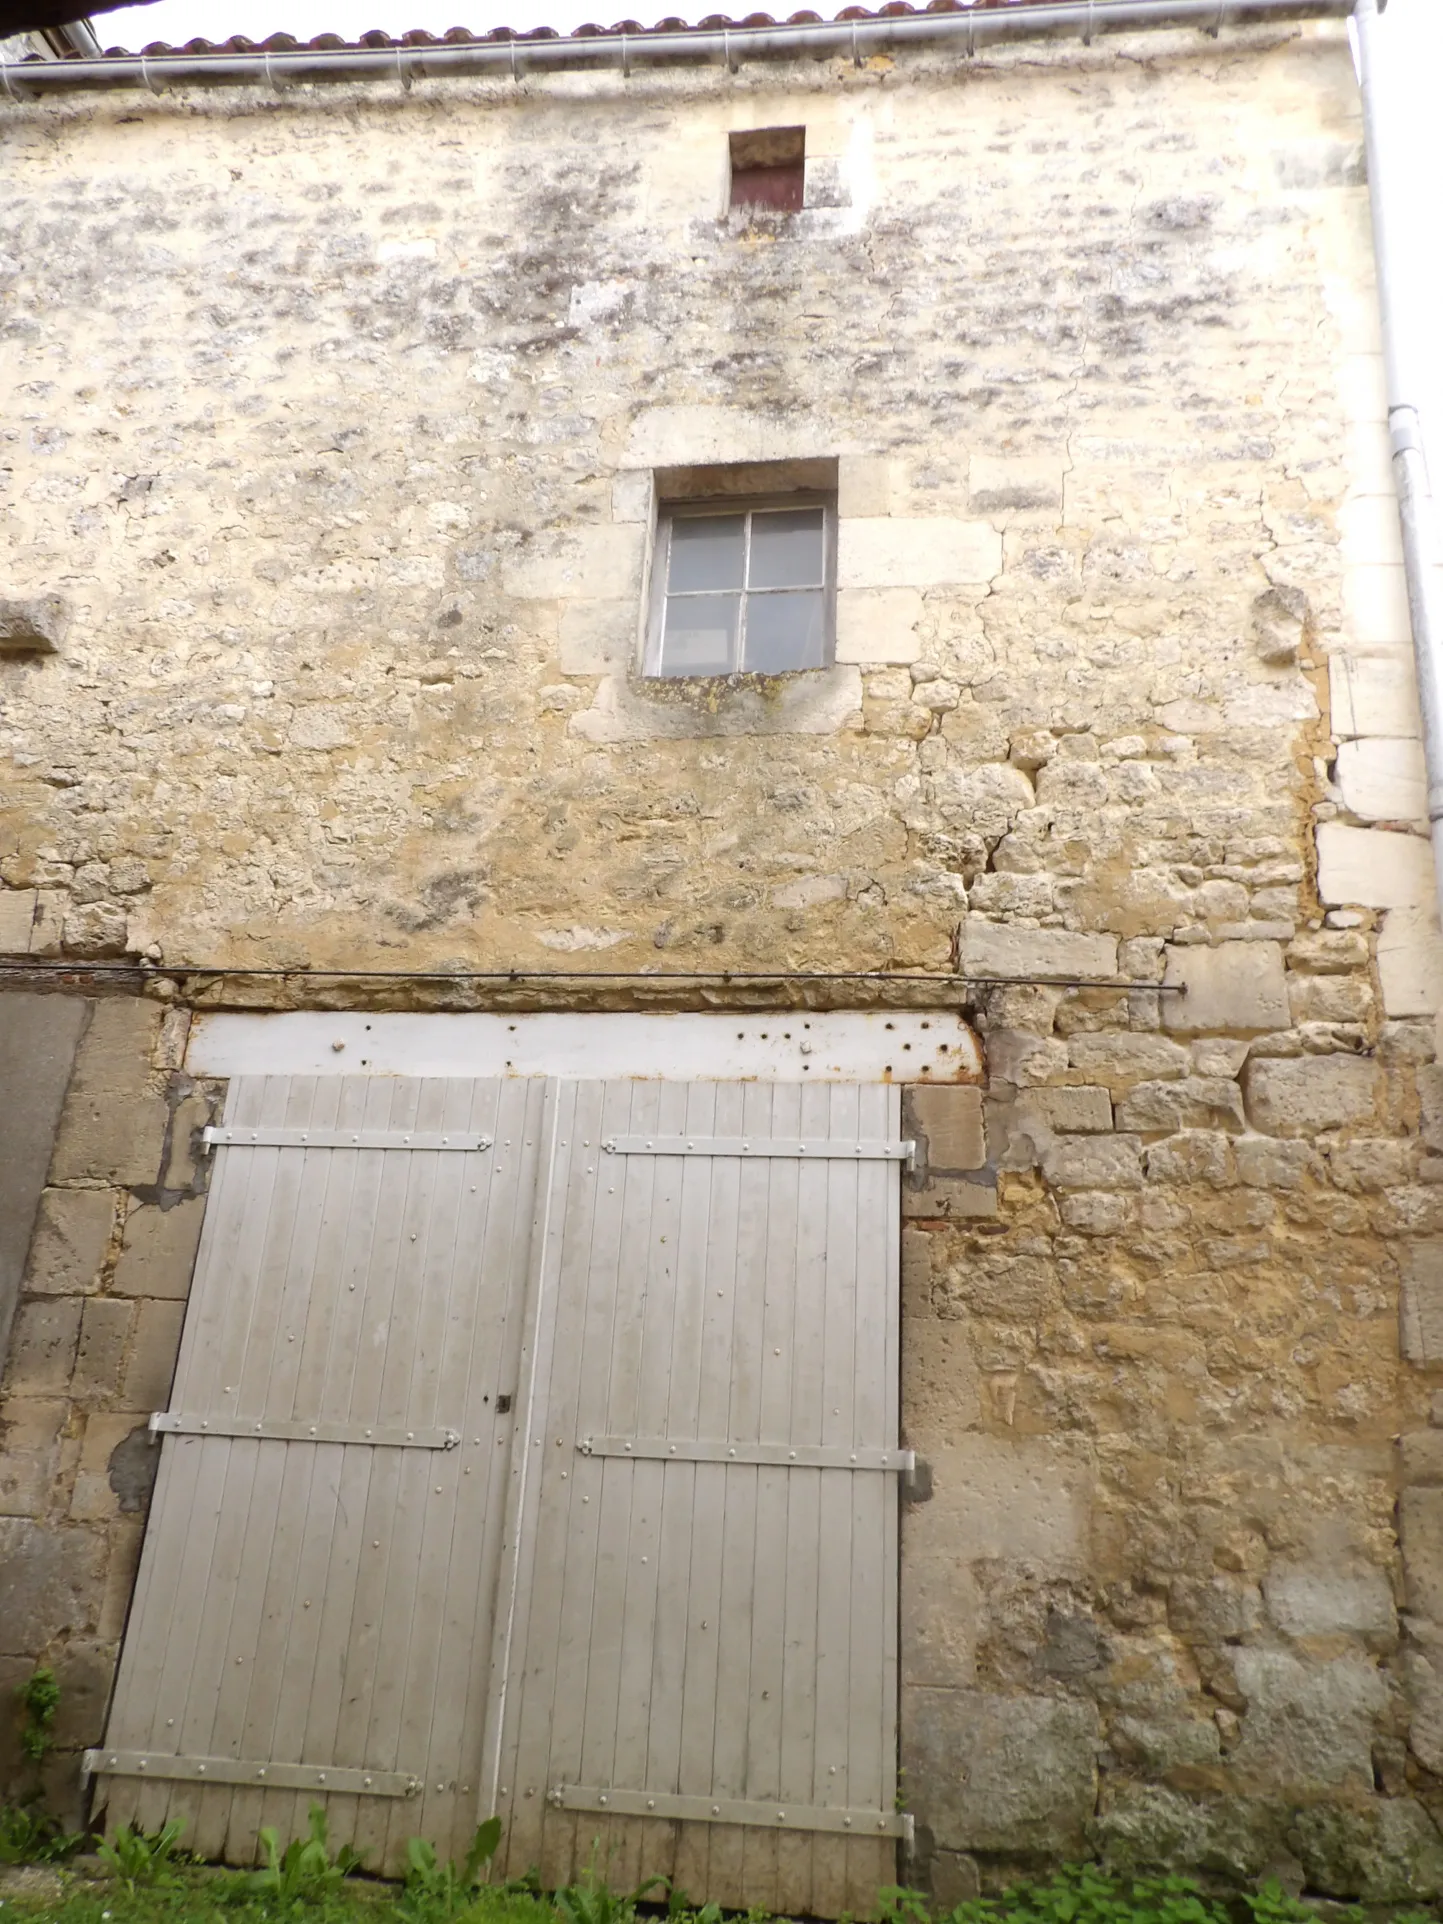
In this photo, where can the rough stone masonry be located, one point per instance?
(327, 485)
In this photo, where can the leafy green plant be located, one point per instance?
(137, 1858)
(30, 1836)
(435, 1892)
(592, 1901)
(39, 1698)
(304, 1872)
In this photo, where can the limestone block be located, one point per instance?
(33, 626)
(1195, 1102)
(940, 1605)
(1384, 1850)
(1425, 1701)
(157, 1257)
(878, 624)
(632, 493)
(1265, 1163)
(700, 433)
(1093, 1162)
(1420, 1515)
(1302, 1096)
(1383, 780)
(17, 918)
(932, 552)
(113, 1124)
(1321, 1602)
(151, 1364)
(124, 1541)
(1369, 533)
(1374, 695)
(1429, 1077)
(1329, 951)
(42, 1345)
(84, 1671)
(1239, 986)
(867, 484)
(1420, 1309)
(985, 800)
(1330, 998)
(1026, 1498)
(598, 637)
(104, 1331)
(1013, 954)
(1410, 962)
(1098, 1212)
(822, 702)
(1119, 1061)
(1308, 1725)
(72, 1234)
(30, 1443)
(1010, 485)
(1192, 1156)
(1363, 388)
(50, 1582)
(1420, 1455)
(585, 564)
(1073, 1111)
(116, 1473)
(995, 1773)
(1375, 608)
(942, 1198)
(947, 1121)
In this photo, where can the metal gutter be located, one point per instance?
(969, 32)
(1416, 511)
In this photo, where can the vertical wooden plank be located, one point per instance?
(736, 1689)
(836, 1573)
(505, 1757)
(709, 1417)
(803, 1538)
(489, 1372)
(872, 1711)
(764, 1732)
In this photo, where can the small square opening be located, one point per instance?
(769, 168)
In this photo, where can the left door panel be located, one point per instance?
(325, 1606)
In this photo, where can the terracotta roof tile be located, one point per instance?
(463, 36)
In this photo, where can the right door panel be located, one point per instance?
(700, 1619)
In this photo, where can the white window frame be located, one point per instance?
(669, 512)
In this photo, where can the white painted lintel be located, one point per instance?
(835, 1046)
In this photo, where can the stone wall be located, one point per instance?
(331, 471)
(92, 1353)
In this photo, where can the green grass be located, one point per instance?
(148, 1881)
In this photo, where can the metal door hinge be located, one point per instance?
(733, 1810)
(271, 1429)
(817, 1148)
(785, 1456)
(235, 1137)
(233, 1770)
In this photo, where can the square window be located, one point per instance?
(769, 168)
(743, 587)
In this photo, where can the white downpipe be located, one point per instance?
(1410, 466)
(969, 32)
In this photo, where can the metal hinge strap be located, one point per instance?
(786, 1456)
(233, 1770)
(377, 1436)
(733, 1810)
(817, 1148)
(234, 1137)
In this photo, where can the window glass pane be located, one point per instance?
(784, 631)
(701, 635)
(707, 551)
(787, 549)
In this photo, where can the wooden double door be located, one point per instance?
(533, 1449)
